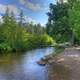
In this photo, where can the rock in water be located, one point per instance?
(42, 63)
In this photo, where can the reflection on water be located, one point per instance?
(18, 66)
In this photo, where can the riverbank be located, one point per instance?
(66, 66)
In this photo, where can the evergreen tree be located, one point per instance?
(58, 23)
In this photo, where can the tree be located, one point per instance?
(16, 36)
(21, 18)
(37, 29)
(74, 19)
(9, 25)
(58, 23)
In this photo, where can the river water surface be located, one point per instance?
(16, 66)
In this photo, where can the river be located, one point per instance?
(23, 66)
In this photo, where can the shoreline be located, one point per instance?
(68, 63)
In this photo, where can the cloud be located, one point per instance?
(32, 6)
(11, 8)
(60, 1)
(26, 19)
(1, 20)
(29, 19)
(2, 8)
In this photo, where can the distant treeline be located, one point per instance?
(18, 36)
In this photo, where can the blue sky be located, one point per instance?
(34, 10)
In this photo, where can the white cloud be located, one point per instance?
(32, 6)
(1, 20)
(11, 8)
(60, 1)
(65, 0)
(2, 8)
(27, 19)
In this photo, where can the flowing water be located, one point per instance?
(17, 66)
(23, 66)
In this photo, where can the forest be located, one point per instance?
(20, 36)
(64, 22)
(63, 26)
(46, 50)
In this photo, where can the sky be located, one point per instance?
(34, 10)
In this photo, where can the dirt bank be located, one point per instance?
(66, 66)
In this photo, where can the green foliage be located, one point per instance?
(64, 22)
(46, 40)
(5, 47)
(18, 36)
(58, 24)
(74, 18)
(34, 28)
(34, 41)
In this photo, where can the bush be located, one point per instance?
(35, 41)
(5, 47)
